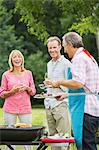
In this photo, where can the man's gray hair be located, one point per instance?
(74, 38)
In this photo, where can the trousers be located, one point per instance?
(58, 121)
(90, 127)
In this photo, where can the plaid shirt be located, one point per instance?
(86, 70)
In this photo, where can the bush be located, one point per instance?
(1, 103)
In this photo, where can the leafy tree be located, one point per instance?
(56, 17)
(84, 15)
(8, 39)
(31, 12)
(37, 64)
(87, 15)
(40, 17)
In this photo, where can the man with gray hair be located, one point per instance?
(83, 80)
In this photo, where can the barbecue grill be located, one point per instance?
(30, 136)
(10, 135)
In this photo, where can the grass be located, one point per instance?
(39, 118)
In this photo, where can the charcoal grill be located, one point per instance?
(30, 136)
(21, 136)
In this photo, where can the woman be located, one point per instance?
(17, 86)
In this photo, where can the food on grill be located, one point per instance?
(23, 125)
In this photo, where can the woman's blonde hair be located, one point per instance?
(10, 59)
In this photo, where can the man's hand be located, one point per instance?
(50, 83)
(61, 96)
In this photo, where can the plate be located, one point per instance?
(39, 96)
(43, 96)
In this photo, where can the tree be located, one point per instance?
(37, 64)
(84, 15)
(31, 11)
(8, 39)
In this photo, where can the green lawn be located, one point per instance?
(39, 118)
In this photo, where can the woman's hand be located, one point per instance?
(17, 89)
(14, 90)
(23, 88)
(29, 90)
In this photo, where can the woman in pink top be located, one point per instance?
(17, 87)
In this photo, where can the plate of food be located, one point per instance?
(46, 95)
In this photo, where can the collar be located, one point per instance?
(59, 59)
(79, 50)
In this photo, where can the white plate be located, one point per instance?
(39, 96)
(42, 96)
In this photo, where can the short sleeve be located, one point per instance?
(78, 70)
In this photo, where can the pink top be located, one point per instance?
(18, 103)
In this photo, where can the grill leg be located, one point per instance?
(10, 147)
(42, 146)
